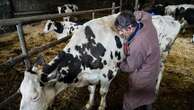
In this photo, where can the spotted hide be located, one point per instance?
(88, 59)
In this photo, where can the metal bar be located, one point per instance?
(14, 21)
(11, 62)
(31, 12)
(23, 44)
(93, 15)
(121, 3)
(113, 7)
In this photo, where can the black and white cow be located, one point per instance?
(157, 9)
(61, 29)
(67, 8)
(171, 9)
(185, 16)
(89, 58)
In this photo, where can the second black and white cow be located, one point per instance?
(185, 16)
(157, 9)
(67, 8)
(61, 29)
(89, 58)
(171, 9)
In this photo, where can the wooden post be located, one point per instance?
(23, 44)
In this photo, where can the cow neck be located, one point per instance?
(131, 37)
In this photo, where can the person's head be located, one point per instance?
(125, 23)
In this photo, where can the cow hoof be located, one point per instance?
(85, 108)
(101, 108)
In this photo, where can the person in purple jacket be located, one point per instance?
(142, 61)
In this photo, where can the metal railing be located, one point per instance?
(19, 21)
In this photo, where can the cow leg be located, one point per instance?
(159, 77)
(183, 25)
(104, 86)
(90, 103)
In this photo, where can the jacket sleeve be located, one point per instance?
(133, 61)
(142, 16)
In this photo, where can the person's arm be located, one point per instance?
(133, 61)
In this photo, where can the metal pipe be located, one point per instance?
(93, 15)
(11, 62)
(23, 44)
(14, 21)
(113, 7)
(121, 3)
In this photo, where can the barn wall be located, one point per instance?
(6, 12)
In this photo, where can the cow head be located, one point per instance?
(35, 94)
(179, 13)
(49, 26)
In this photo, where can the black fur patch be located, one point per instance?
(110, 74)
(63, 9)
(64, 60)
(104, 75)
(105, 63)
(71, 7)
(49, 26)
(118, 55)
(59, 27)
(118, 42)
(111, 55)
(68, 50)
(74, 67)
(97, 50)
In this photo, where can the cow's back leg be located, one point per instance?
(104, 86)
(91, 89)
(159, 77)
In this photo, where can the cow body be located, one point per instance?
(157, 9)
(171, 9)
(167, 30)
(185, 16)
(67, 8)
(61, 29)
(89, 58)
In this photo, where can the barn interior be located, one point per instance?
(177, 86)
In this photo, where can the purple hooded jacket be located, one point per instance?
(142, 64)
